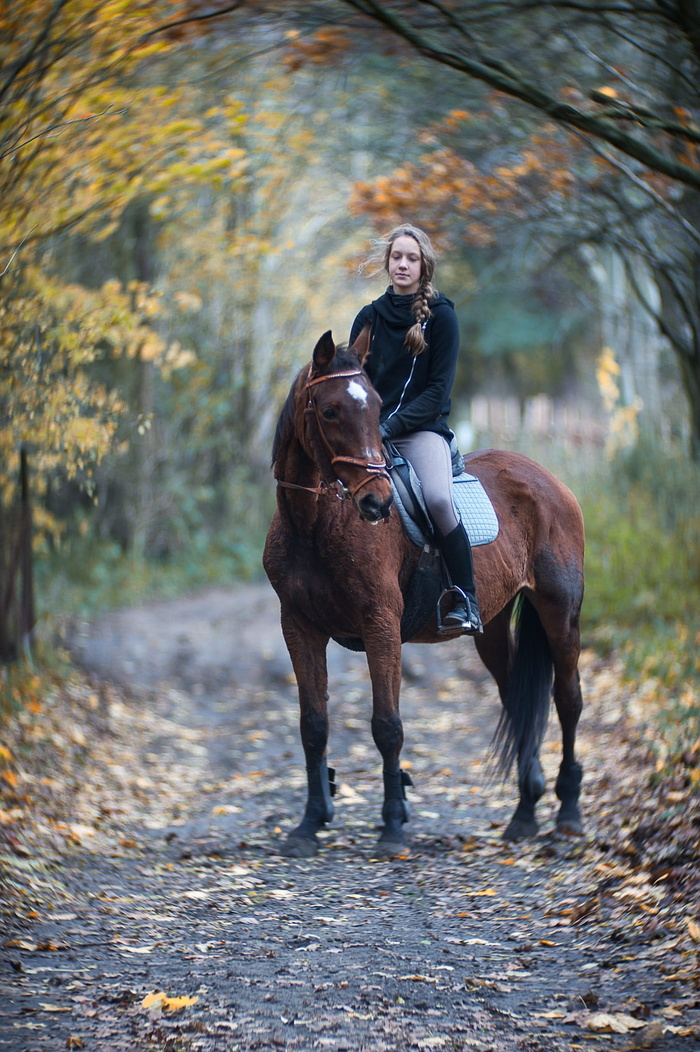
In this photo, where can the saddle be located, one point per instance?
(473, 504)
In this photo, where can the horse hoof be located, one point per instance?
(521, 829)
(387, 848)
(570, 826)
(299, 847)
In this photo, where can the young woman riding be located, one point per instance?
(412, 364)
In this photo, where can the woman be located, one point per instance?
(412, 363)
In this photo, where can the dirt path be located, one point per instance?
(165, 882)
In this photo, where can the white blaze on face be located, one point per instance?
(358, 392)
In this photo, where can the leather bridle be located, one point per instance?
(335, 487)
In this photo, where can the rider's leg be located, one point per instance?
(457, 553)
(429, 454)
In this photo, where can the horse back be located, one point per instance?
(540, 521)
(516, 482)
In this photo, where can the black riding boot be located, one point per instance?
(457, 553)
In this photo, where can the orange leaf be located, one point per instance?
(169, 1004)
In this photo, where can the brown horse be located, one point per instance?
(342, 569)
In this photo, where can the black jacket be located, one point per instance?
(415, 391)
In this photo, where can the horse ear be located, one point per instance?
(361, 345)
(324, 352)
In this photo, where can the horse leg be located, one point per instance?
(307, 650)
(569, 703)
(560, 594)
(523, 677)
(384, 662)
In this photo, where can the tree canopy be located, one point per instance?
(615, 159)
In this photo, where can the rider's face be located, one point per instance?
(404, 266)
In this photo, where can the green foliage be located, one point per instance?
(643, 588)
(93, 577)
(643, 541)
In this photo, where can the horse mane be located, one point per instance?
(284, 432)
(285, 423)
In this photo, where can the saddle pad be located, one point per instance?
(471, 501)
(475, 509)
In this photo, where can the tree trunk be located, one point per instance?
(629, 329)
(691, 381)
(26, 618)
(145, 444)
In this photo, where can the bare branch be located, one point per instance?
(520, 87)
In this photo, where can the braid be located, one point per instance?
(415, 338)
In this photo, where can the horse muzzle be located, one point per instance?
(372, 508)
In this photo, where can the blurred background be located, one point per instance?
(186, 191)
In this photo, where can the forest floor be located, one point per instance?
(144, 800)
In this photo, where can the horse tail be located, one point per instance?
(525, 710)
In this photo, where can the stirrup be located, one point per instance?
(463, 617)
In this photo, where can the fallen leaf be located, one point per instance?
(169, 1004)
(694, 930)
(17, 846)
(612, 1023)
(80, 831)
(646, 1038)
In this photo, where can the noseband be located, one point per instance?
(335, 487)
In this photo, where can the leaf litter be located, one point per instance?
(146, 905)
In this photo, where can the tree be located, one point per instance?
(623, 79)
(505, 46)
(89, 124)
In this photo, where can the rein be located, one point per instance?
(335, 487)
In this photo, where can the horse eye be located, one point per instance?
(329, 413)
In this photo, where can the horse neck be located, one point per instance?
(300, 509)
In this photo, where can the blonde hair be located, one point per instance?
(379, 260)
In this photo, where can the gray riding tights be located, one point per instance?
(429, 455)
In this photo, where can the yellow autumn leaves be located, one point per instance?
(94, 121)
(623, 417)
(162, 1001)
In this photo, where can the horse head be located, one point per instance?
(341, 426)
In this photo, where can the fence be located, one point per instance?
(571, 423)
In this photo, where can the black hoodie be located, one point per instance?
(415, 391)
